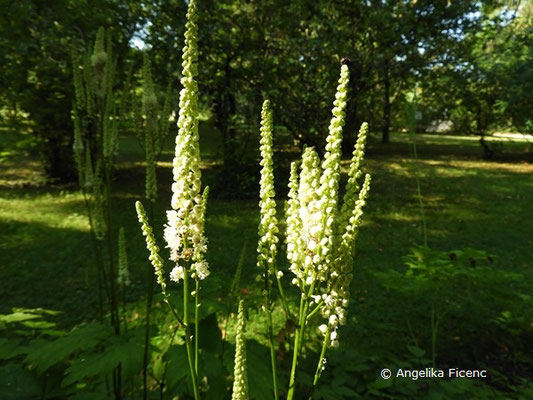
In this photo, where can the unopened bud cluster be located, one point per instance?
(268, 225)
(151, 245)
(240, 378)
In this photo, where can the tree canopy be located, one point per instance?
(471, 62)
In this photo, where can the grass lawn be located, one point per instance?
(469, 202)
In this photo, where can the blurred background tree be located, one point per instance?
(36, 39)
(470, 60)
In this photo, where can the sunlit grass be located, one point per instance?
(60, 210)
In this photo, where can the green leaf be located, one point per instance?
(178, 367)
(41, 311)
(18, 317)
(416, 351)
(210, 336)
(259, 372)
(18, 384)
(216, 377)
(89, 396)
(10, 348)
(347, 392)
(127, 353)
(39, 324)
(43, 354)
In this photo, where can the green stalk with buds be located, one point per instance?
(240, 374)
(184, 231)
(268, 229)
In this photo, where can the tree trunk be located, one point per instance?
(225, 109)
(386, 104)
(482, 128)
(58, 160)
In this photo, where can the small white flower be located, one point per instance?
(202, 269)
(177, 274)
(323, 328)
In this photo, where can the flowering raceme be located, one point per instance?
(184, 232)
(320, 237)
(321, 232)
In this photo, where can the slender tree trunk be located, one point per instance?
(226, 107)
(58, 160)
(386, 104)
(482, 127)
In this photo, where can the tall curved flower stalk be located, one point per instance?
(321, 230)
(184, 231)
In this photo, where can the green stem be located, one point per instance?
(418, 188)
(196, 325)
(172, 309)
(411, 332)
(320, 365)
(290, 394)
(282, 296)
(114, 306)
(304, 316)
(149, 299)
(124, 307)
(315, 310)
(271, 334)
(273, 357)
(188, 343)
(434, 330)
(99, 261)
(115, 318)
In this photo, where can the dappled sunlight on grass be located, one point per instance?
(60, 210)
(18, 172)
(464, 167)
